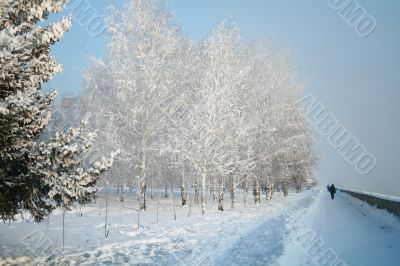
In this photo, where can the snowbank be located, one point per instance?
(387, 202)
(373, 194)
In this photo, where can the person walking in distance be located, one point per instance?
(332, 190)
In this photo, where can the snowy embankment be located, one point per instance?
(375, 195)
(381, 201)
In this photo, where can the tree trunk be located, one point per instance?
(158, 205)
(269, 190)
(121, 191)
(221, 193)
(209, 189)
(298, 185)
(246, 192)
(256, 192)
(183, 189)
(165, 188)
(196, 192)
(203, 194)
(190, 208)
(172, 187)
(173, 204)
(142, 194)
(285, 187)
(213, 189)
(151, 188)
(142, 184)
(233, 192)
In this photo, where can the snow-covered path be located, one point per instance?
(265, 243)
(319, 231)
(345, 230)
(302, 229)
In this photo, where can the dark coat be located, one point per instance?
(332, 189)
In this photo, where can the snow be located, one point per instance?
(274, 233)
(356, 232)
(168, 242)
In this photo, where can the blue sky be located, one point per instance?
(355, 77)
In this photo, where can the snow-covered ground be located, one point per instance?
(345, 230)
(302, 229)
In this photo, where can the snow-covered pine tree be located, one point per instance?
(36, 177)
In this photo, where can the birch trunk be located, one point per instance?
(142, 184)
(121, 197)
(142, 194)
(246, 192)
(209, 189)
(213, 189)
(298, 185)
(151, 188)
(165, 188)
(196, 191)
(269, 190)
(183, 189)
(203, 195)
(233, 192)
(221, 193)
(285, 187)
(256, 192)
(172, 187)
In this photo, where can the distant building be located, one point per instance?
(68, 104)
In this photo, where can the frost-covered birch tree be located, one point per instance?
(144, 71)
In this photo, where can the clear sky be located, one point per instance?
(356, 78)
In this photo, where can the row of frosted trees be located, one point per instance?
(213, 116)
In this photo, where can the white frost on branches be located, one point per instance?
(214, 116)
